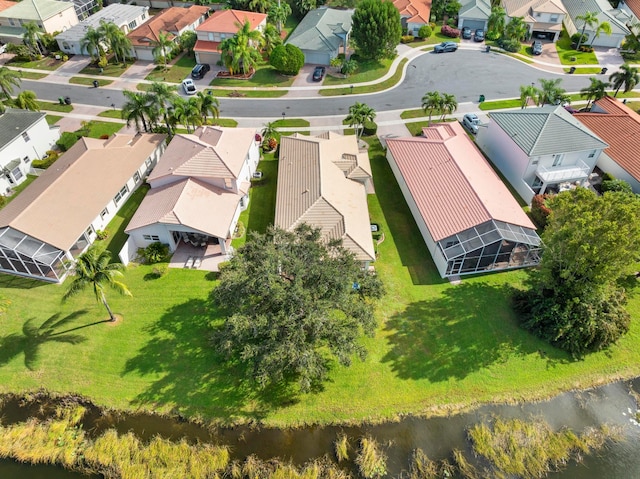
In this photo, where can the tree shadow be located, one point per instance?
(31, 339)
(192, 376)
(19, 282)
(468, 328)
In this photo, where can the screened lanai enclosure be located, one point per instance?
(490, 246)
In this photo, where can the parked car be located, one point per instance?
(445, 47)
(465, 33)
(199, 71)
(471, 122)
(536, 47)
(479, 35)
(189, 87)
(318, 73)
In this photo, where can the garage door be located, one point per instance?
(207, 57)
(473, 24)
(611, 41)
(316, 58)
(144, 54)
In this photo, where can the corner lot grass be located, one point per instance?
(175, 73)
(265, 76)
(368, 70)
(45, 63)
(563, 45)
(438, 347)
(111, 70)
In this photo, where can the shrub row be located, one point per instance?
(450, 32)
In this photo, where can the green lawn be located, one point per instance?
(88, 81)
(566, 53)
(368, 70)
(117, 237)
(175, 73)
(53, 119)
(33, 75)
(291, 123)
(18, 189)
(111, 114)
(45, 63)
(388, 83)
(111, 70)
(99, 128)
(50, 106)
(220, 93)
(435, 38)
(264, 77)
(499, 104)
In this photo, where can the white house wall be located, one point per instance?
(60, 22)
(568, 159)
(608, 165)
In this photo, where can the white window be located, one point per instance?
(25, 136)
(89, 231)
(223, 36)
(210, 36)
(11, 22)
(136, 177)
(17, 173)
(148, 161)
(132, 25)
(592, 154)
(26, 159)
(121, 194)
(557, 160)
(555, 18)
(151, 237)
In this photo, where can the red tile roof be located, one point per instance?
(416, 11)
(206, 46)
(227, 21)
(172, 20)
(451, 183)
(619, 126)
(4, 4)
(634, 6)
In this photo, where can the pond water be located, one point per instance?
(437, 437)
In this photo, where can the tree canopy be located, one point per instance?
(295, 304)
(376, 29)
(287, 59)
(575, 299)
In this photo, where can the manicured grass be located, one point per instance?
(45, 63)
(53, 119)
(223, 93)
(563, 45)
(111, 114)
(584, 71)
(50, 106)
(18, 189)
(227, 122)
(99, 128)
(291, 123)
(175, 73)
(388, 83)
(499, 104)
(265, 76)
(368, 70)
(435, 38)
(117, 237)
(513, 55)
(89, 81)
(33, 75)
(111, 70)
(415, 127)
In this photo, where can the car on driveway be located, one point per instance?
(536, 47)
(189, 87)
(445, 47)
(479, 35)
(471, 122)
(465, 33)
(199, 71)
(318, 73)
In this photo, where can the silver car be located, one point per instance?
(189, 87)
(471, 122)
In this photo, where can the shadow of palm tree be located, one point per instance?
(33, 336)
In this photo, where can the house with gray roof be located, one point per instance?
(540, 150)
(321, 34)
(50, 15)
(126, 17)
(616, 17)
(543, 17)
(24, 136)
(474, 14)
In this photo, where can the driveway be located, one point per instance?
(304, 79)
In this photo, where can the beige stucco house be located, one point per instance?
(50, 15)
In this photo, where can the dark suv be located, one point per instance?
(199, 71)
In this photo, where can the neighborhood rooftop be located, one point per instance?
(321, 29)
(117, 13)
(14, 122)
(415, 11)
(169, 20)
(36, 10)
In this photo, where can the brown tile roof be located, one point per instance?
(416, 11)
(184, 202)
(634, 6)
(452, 184)
(226, 21)
(62, 202)
(619, 126)
(314, 188)
(207, 46)
(210, 152)
(4, 4)
(172, 20)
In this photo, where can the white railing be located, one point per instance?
(580, 170)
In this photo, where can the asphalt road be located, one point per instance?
(466, 74)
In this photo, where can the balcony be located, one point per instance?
(558, 174)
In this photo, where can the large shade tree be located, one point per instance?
(294, 303)
(575, 299)
(94, 269)
(376, 29)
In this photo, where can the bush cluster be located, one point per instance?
(575, 39)
(539, 210)
(155, 253)
(287, 59)
(369, 128)
(511, 45)
(406, 39)
(67, 140)
(425, 31)
(450, 32)
(45, 163)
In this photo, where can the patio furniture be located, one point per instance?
(189, 262)
(197, 262)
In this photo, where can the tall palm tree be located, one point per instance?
(208, 106)
(8, 80)
(516, 29)
(162, 47)
(160, 97)
(271, 37)
(246, 46)
(528, 92)
(270, 130)
(27, 100)
(187, 113)
(92, 43)
(550, 91)
(449, 105)
(135, 109)
(31, 37)
(359, 113)
(496, 21)
(227, 47)
(278, 13)
(596, 90)
(627, 76)
(260, 6)
(602, 27)
(93, 268)
(589, 19)
(431, 101)
(116, 38)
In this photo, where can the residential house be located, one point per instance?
(323, 181)
(539, 150)
(413, 14)
(24, 136)
(57, 216)
(198, 191)
(619, 126)
(474, 14)
(50, 15)
(617, 18)
(126, 17)
(84, 8)
(321, 34)
(543, 17)
(218, 27)
(632, 8)
(174, 21)
(469, 220)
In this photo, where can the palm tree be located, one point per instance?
(27, 100)
(92, 43)
(93, 268)
(305, 6)
(359, 113)
(348, 67)
(208, 105)
(449, 105)
(496, 22)
(31, 37)
(116, 38)
(627, 76)
(245, 52)
(271, 37)
(528, 92)
(589, 19)
(260, 6)
(278, 13)
(8, 80)
(186, 113)
(516, 29)
(135, 109)
(227, 46)
(162, 47)
(550, 91)
(595, 91)
(270, 130)
(431, 101)
(602, 27)
(160, 96)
